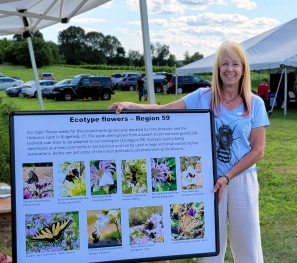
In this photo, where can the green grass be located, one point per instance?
(80, 104)
(60, 72)
(277, 170)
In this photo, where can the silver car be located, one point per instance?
(31, 91)
(6, 82)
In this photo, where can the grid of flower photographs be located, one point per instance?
(60, 231)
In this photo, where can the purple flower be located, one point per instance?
(103, 167)
(39, 186)
(192, 211)
(27, 195)
(159, 172)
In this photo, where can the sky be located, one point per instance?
(184, 25)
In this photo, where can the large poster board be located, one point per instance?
(93, 186)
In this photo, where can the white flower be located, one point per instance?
(102, 222)
(106, 179)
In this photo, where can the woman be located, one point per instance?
(241, 120)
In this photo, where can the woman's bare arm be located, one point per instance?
(119, 106)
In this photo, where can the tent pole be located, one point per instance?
(35, 72)
(176, 86)
(274, 100)
(286, 91)
(147, 52)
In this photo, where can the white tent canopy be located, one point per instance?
(28, 16)
(272, 49)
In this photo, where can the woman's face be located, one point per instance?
(230, 71)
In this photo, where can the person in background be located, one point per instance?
(145, 89)
(165, 85)
(240, 128)
(140, 87)
(263, 92)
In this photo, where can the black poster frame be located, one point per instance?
(144, 116)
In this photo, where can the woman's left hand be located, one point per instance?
(220, 186)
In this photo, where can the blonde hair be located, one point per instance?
(236, 52)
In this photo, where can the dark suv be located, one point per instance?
(128, 83)
(96, 87)
(187, 83)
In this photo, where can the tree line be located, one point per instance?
(76, 47)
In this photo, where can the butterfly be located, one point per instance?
(71, 175)
(188, 223)
(53, 232)
(33, 178)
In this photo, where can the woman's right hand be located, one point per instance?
(119, 106)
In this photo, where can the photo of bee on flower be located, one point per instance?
(163, 174)
(38, 180)
(191, 172)
(134, 176)
(103, 177)
(187, 221)
(146, 225)
(50, 232)
(104, 228)
(72, 179)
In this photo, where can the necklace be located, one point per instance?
(228, 101)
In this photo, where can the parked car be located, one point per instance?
(6, 82)
(47, 90)
(187, 83)
(162, 74)
(126, 75)
(47, 75)
(17, 90)
(96, 87)
(115, 77)
(128, 83)
(31, 91)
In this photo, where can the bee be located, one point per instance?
(71, 175)
(225, 139)
(33, 178)
(95, 237)
(132, 177)
(190, 175)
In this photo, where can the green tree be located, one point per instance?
(160, 54)
(42, 53)
(110, 48)
(134, 58)
(95, 42)
(72, 45)
(189, 59)
(171, 61)
(55, 55)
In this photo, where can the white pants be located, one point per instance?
(240, 208)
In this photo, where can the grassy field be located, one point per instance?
(277, 171)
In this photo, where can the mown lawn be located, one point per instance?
(277, 171)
